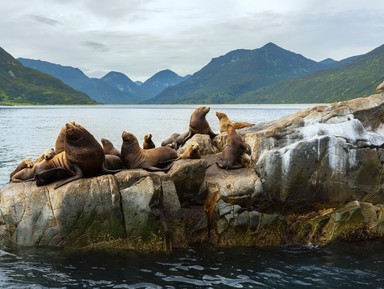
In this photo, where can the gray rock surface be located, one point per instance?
(313, 177)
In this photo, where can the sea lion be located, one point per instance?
(192, 152)
(224, 121)
(113, 162)
(178, 141)
(58, 164)
(85, 157)
(198, 124)
(170, 140)
(233, 150)
(148, 143)
(47, 155)
(108, 148)
(28, 163)
(133, 156)
(60, 141)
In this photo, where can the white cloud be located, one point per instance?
(139, 38)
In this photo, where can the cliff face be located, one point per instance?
(313, 177)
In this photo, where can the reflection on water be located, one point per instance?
(353, 265)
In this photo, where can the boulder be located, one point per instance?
(313, 177)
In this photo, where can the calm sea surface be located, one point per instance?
(25, 132)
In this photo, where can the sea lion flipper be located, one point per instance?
(150, 168)
(48, 176)
(106, 171)
(76, 174)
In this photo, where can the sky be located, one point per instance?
(140, 38)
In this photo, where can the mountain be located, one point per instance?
(355, 77)
(75, 78)
(228, 77)
(21, 85)
(158, 82)
(121, 82)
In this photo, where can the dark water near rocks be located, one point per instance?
(352, 265)
(25, 132)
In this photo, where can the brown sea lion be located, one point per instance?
(108, 148)
(198, 124)
(113, 162)
(233, 150)
(192, 152)
(58, 162)
(133, 156)
(148, 143)
(60, 141)
(170, 140)
(28, 163)
(83, 153)
(83, 157)
(224, 121)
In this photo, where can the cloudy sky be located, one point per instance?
(140, 38)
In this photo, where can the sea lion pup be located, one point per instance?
(198, 124)
(224, 121)
(148, 143)
(192, 152)
(233, 150)
(108, 148)
(58, 162)
(28, 163)
(133, 156)
(170, 140)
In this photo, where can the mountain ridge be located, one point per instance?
(21, 85)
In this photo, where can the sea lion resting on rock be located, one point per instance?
(148, 143)
(133, 156)
(170, 140)
(108, 148)
(58, 162)
(83, 157)
(198, 124)
(112, 156)
(233, 150)
(192, 152)
(28, 163)
(224, 121)
(178, 141)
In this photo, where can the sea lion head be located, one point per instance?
(203, 110)
(48, 154)
(76, 134)
(194, 146)
(220, 115)
(128, 138)
(105, 142)
(148, 137)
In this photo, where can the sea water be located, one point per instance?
(25, 132)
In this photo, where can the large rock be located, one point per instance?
(313, 177)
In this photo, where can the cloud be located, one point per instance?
(139, 38)
(95, 45)
(44, 20)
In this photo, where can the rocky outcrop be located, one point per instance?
(313, 177)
